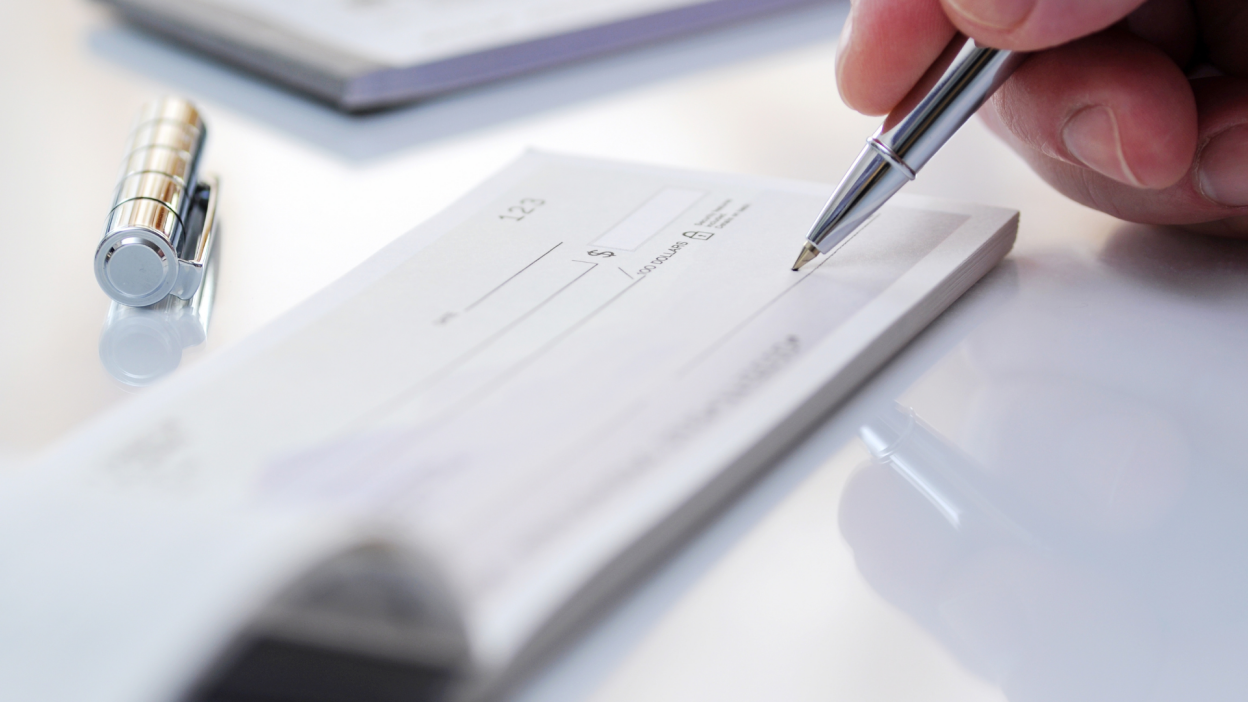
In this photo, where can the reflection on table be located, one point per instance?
(1085, 537)
(140, 345)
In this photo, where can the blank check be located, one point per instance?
(555, 376)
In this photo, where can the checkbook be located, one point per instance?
(417, 484)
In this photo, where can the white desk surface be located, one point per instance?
(1094, 383)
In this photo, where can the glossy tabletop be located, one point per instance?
(1039, 499)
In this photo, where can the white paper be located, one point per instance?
(523, 401)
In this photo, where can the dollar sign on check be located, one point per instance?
(604, 254)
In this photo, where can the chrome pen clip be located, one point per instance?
(203, 220)
(160, 231)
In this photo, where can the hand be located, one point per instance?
(1104, 110)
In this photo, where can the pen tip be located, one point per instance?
(808, 253)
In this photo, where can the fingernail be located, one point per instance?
(1091, 137)
(998, 14)
(1223, 171)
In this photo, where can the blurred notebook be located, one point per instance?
(367, 54)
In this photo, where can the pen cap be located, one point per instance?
(137, 260)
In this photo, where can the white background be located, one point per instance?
(1098, 372)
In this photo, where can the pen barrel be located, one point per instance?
(964, 77)
(146, 232)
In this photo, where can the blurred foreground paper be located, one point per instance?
(524, 402)
(366, 54)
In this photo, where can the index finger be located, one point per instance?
(1030, 25)
(887, 45)
(885, 48)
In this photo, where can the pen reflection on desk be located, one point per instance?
(140, 345)
(950, 92)
(947, 478)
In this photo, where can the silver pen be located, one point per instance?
(950, 92)
(160, 232)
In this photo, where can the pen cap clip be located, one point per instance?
(160, 228)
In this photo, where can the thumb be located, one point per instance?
(1030, 25)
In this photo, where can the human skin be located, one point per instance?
(1136, 108)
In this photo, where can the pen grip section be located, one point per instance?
(956, 85)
